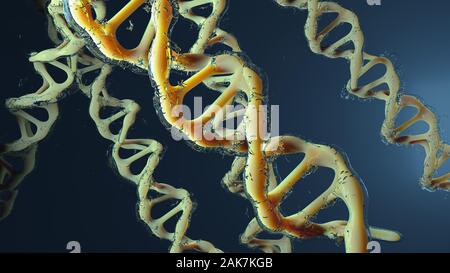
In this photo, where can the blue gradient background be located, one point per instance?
(74, 195)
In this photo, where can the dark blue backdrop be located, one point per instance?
(74, 195)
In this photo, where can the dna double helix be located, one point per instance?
(86, 41)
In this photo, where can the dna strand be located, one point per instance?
(235, 75)
(361, 63)
(17, 158)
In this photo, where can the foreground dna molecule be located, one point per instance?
(85, 42)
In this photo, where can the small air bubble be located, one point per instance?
(130, 27)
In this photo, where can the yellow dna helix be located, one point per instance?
(89, 43)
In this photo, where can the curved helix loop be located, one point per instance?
(102, 32)
(240, 77)
(361, 64)
(233, 182)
